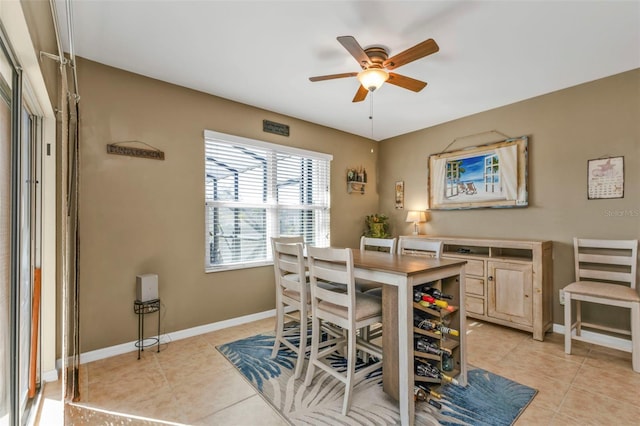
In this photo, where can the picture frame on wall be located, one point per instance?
(605, 178)
(492, 175)
(399, 191)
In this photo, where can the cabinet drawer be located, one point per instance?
(474, 267)
(474, 286)
(474, 305)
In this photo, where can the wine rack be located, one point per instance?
(441, 341)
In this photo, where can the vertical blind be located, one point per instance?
(256, 190)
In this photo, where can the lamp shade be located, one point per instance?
(416, 216)
(372, 78)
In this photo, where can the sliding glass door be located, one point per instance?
(25, 268)
(5, 246)
(18, 207)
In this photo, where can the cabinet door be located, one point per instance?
(510, 292)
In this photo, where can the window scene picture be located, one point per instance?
(487, 176)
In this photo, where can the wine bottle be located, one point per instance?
(427, 324)
(436, 404)
(430, 302)
(429, 391)
(417, 295)
(419, 394)
(425, 369)
(435, 293)
(448, 362)
(422, 344)
(429, 305)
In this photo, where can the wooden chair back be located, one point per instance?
(370, 243)
(288, 260)
(420, 247)
(335, 266)
(610, 261)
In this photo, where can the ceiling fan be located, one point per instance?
(375, 62)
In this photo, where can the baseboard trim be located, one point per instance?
(123, 348)
(599, 338)
(50, 376)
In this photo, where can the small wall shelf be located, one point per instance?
(355, 186)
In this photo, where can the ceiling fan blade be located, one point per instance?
(406, 82)
(355, 50)
(418, 51)
(361, 94)
(332, 76)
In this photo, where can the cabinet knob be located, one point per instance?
(490, 278)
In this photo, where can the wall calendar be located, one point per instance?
(606, 178)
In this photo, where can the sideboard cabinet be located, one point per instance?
(508, 282)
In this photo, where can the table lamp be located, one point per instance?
(416, 217)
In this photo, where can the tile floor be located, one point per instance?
(189, 382)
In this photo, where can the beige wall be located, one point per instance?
(40, 23)
(565, 129)
(142, 216)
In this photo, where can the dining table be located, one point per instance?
(399, 274)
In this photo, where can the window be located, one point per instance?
(256, 190)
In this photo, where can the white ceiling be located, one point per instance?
(261, 53)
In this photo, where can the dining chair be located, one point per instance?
(373, 288)
(606, 275)
(416, 246)
(350, 310)
(374, 244)
(370, 243)
(293, 298)
(292, 290)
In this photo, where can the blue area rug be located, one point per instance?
(488, 399)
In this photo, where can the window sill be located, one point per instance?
(213, 269)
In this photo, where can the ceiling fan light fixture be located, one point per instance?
(372, 78)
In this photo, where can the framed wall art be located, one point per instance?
(493, 175)
(399, 191)
(605, 178)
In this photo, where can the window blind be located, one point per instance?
(255, 190)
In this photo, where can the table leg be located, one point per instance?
(390, 340)
(405, 354)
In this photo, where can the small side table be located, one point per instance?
(142, 309)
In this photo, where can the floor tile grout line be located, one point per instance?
(225, 408)
(519, 342)
(564, 398)
(183, 414)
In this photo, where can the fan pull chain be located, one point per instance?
(371, 112)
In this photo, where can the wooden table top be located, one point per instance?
(400, 264)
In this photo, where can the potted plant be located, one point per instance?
(377, 226)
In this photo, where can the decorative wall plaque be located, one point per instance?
(153, 154)
(273, 127)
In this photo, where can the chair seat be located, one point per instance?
(603, 290)
(295, 294)
(367, 306)
(363, 285)
(294, 277)
(377, 292)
